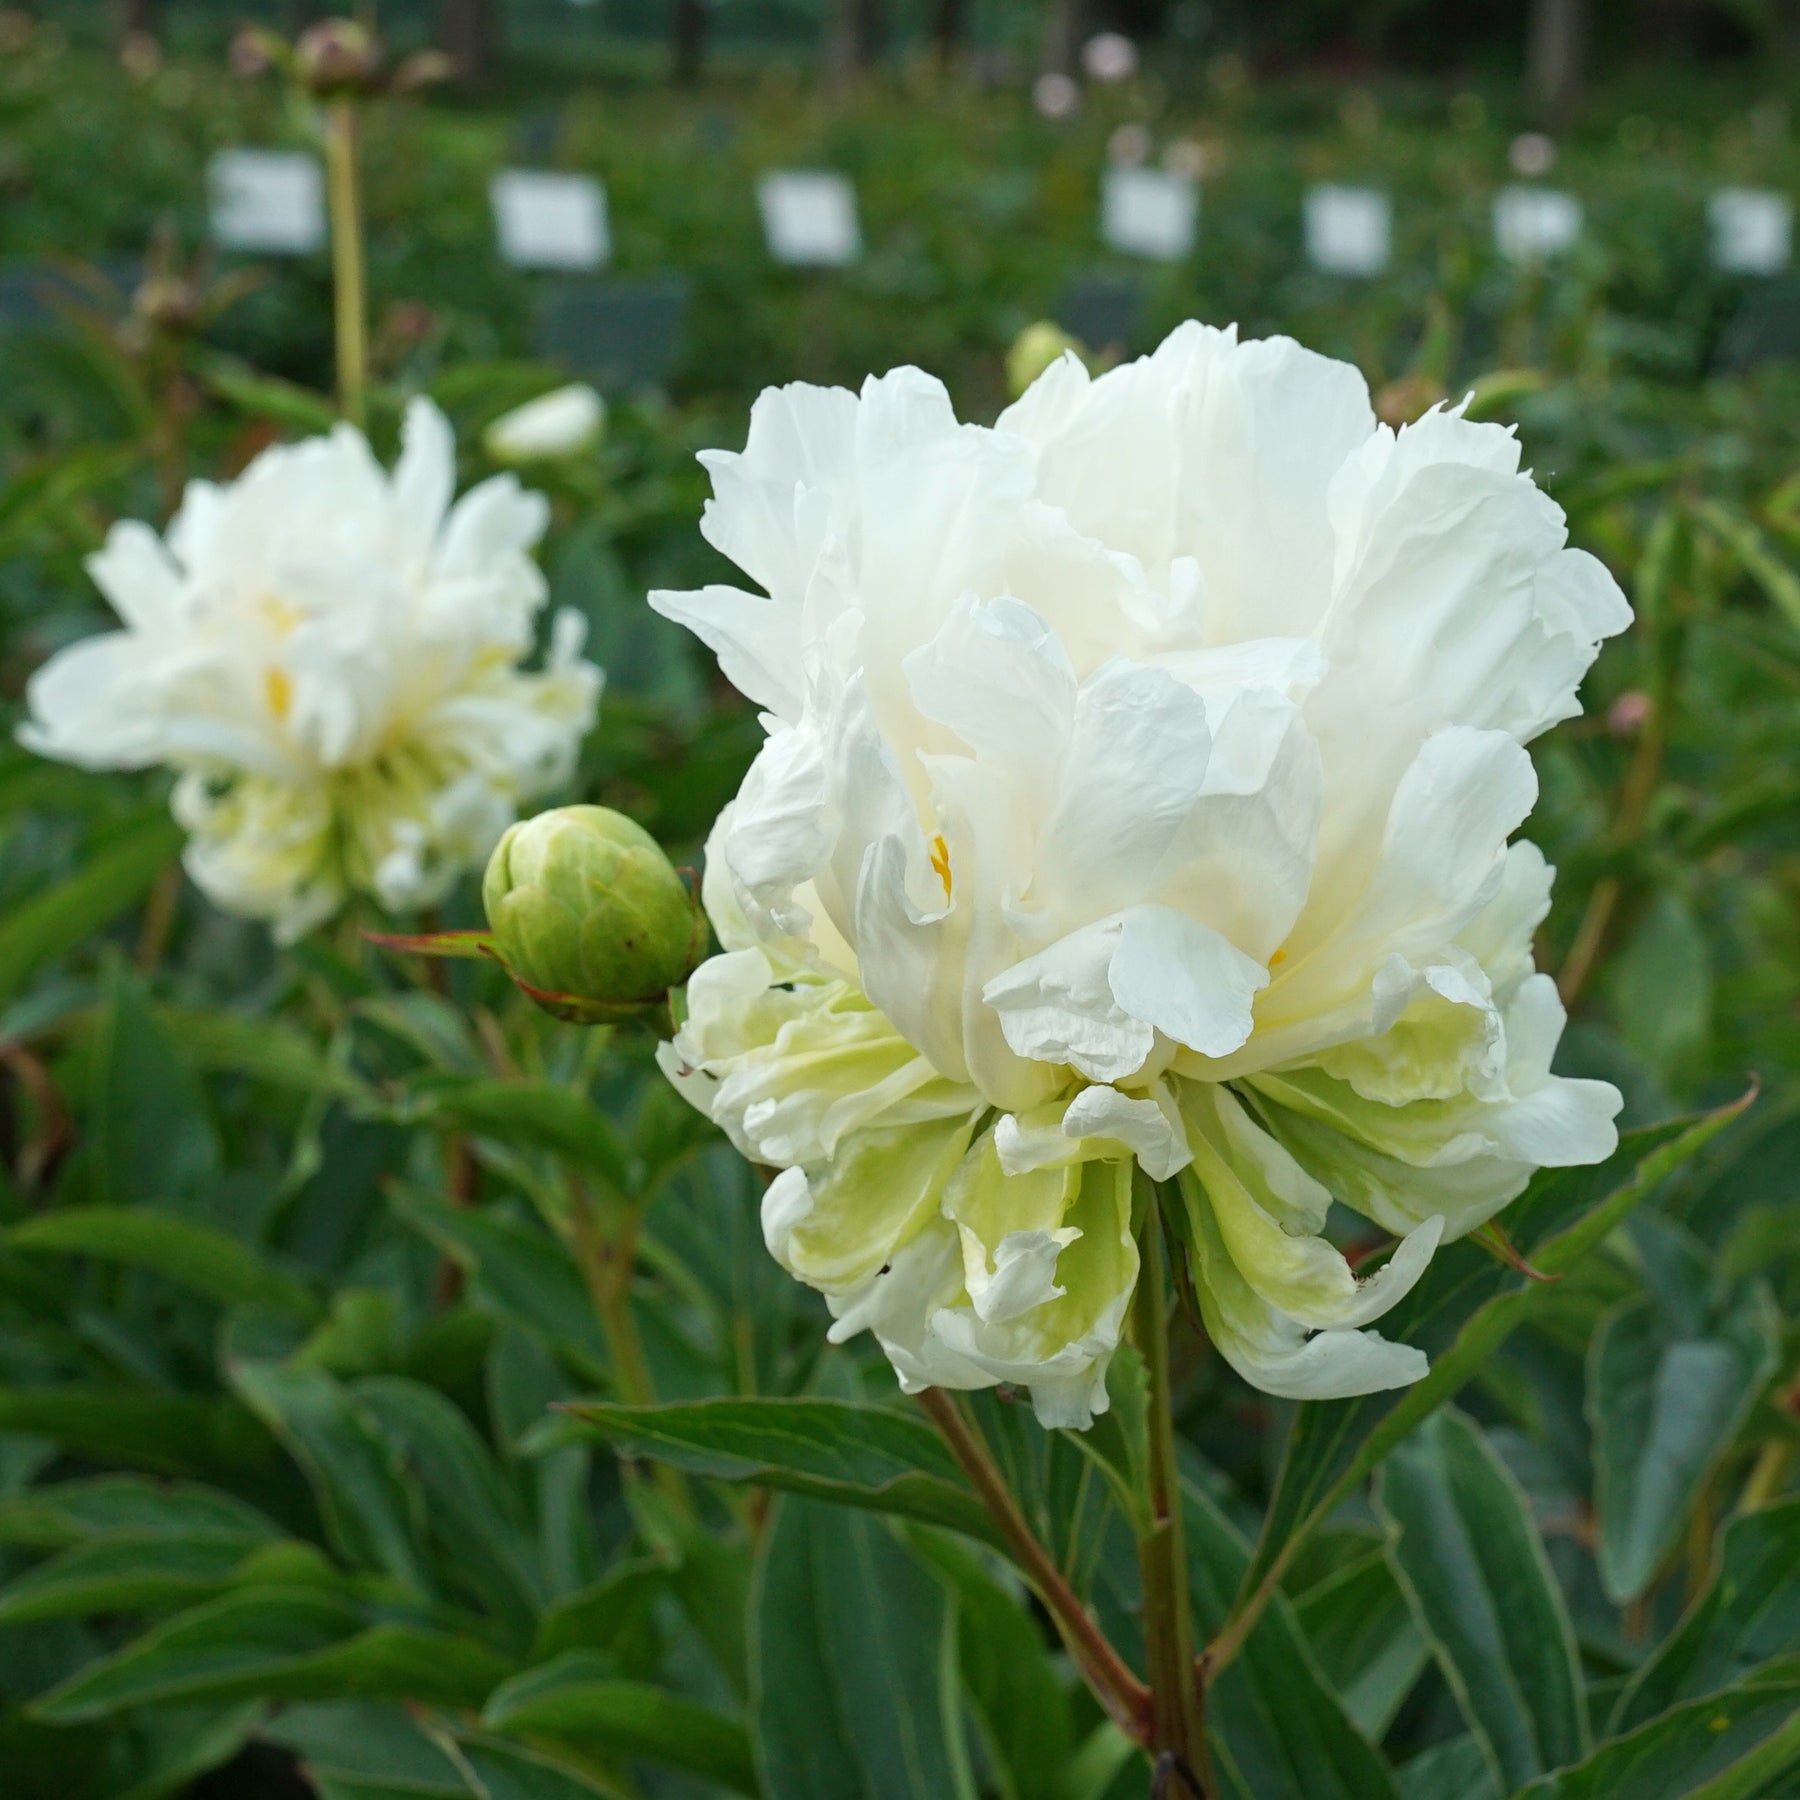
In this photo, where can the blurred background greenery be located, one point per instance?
(319, 1241)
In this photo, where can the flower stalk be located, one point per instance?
(1126, 1700)
(350, 308)
(1178, 1726)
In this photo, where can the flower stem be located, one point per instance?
(1178, 1725)
(1125, 1698)
(349, 294)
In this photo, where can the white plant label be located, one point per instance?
(809, 218)
(268, 202)
(545, 220)
(1752, 230)
(1149, 212)
(1349, 230)
(1532, 223)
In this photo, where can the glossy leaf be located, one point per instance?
(854, 1663)
(111, 878)
(355, 1473)
(847, 1451)
(1462, 1543)
(122, 1575)
(1664, 1408)
(1276, 1727)
(1005, 1660)
(571, 1701)
(1748, 1616)
(1361, 1632)
(1459, 1314)
(1732, 1746)
(521, 1275)
(277, 1643)
(223, 1268)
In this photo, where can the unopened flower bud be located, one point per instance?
(1034, 350)
(588, 915)
(564, 422)
(337, 56)
(254, 52)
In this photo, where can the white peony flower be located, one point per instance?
(1138, 786)
(563, 422)
(329, 657)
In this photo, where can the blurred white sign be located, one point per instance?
(1348, 230)
(1752, 230)
(267, 201)
(1531, 223)
(550, 221)
(1149, 212)
(809, 218)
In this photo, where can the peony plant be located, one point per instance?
(1136, 796)
(329, 657)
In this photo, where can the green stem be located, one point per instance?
(607, 1260)
(349, 294)
(1178, 1725)
(1125, 1698)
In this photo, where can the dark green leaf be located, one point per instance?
(109, 881)
(356, 1477)
(223, 1268)
(277, 1643)
(1663, 1409)
(853, 1660)
(521, 1275)
(1459, 1314)
(534, 1115)
(855, 1454)
(151, 1134)
(173, 1434)
(123, 1575)
(473, 1513)
(1007, 1673)
(1732, 1746)
(59, 1516)
(1275, 1726)
(1362, 1632)
(1749, 1616)
(571, 1702)
(1465, 1550)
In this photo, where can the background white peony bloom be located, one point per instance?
(329, 656)
(1138, 786)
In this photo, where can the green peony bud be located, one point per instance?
(588, 915)
(1034, 350)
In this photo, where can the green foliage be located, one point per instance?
(394, 1385)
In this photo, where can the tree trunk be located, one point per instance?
(1557, 32)
(1064, 23)
(687, 43)
(469, 34)
(858, 38)
(139, 18)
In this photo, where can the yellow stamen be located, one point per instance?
(940, 860)
(278, 690)
(1277, 959)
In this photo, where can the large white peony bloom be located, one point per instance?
(329, 656)
(1137, 790)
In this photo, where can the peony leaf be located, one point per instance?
(223, 1268)
(573, 1702)
(1463, 1545)
(858, 1455)
(1732, 1746)
(855, 1693)
(1459, 1314)
(1749, 1616)
(1664, 1406)
(277, 1642)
